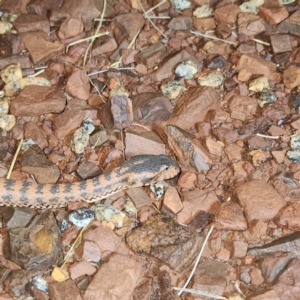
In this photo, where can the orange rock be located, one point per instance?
(78, 84)
(227, 13)
(273, 13)
(82, 268)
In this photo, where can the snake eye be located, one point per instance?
(166, 168)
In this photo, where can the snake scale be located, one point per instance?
(141, 170)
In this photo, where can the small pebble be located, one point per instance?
(187, 69)
(259, 84)
(40, 283)
(172, 89)
(245, 277)
(109, 214)
(63, 225)
(79, 140)
(7, 122)
(89, 126)
(213, 79)
(4, 106)
(82, 217)
(203, 11)
(295, 142)
(181, 4)
(27, 144)
(130, 208)
(294, 155)
(267, 96)
(157, 189)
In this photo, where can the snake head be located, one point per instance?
(152, 168)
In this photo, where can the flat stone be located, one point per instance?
(36, 163)
(67, 122)
(66, 290)
(227, 13)
(273, 13)
(281, 43)
(34, 132)
(37, 246)
(265, 295)
(210, 276)
(193, 106)
(41, 47)
(151, 108)
(78, 84)
(239, 249)
(15, 6)
(163, 238)
(104, 44)
(291, 24)
(126, 26)
(256, 65)
(115, 279)
(172, 201)
(32, 22)
(250, 24)
(242, 107)
(230, 217)
(38, 100)
(151, 56)
(121, 109)
(289, 217)
(181, 23)
(139, 197)
(82, 268)
(259, 200)
(204, 24)
(291, 77)
(70, 27)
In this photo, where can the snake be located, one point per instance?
(138, 171)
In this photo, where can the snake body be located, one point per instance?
(138, 171)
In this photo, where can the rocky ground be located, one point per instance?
(214, 85)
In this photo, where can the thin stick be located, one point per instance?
(200, 293)
(197, 260)
(157, 5)
(268, 136)
(14, 159)
(212, 37)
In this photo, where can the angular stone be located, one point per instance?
(38, 100)
(118, 277)
(291, 24)
(70, 27)
(230, 217)
(67, 122)
(227, 13)
(151, 108)
(291, 77)
(273, 13)
(34, 132)
(36, 163)
(66, 290)
(281, 43)
(181, 23)
(151, 55)
(193, 106)
(204, 24)
(256, 65)
(147, 142)
(163, 238)
(104, 44)
(259, 200)
(126, 26)
(34, 22)
(82, 268)
(121, 109)
(41, 47)
(250, 24)
(78, 84)
(242, 107)
(239, 249)
(289, 217)
(37, 246)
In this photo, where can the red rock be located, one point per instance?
(242, 108)
(121, 109)
(172, 201)
(126, 26)
(259, 200)
(187, 180)
(14, 6)
(115, 279)
(223, 254)
(204, 24)
(78, 84)
(289, 217)
(227, 13)
(256, 277)
(256, 65)
(46, 47)
(281, 43)
(70, 27)
(266, 295)
(82, 268)
(90, 251)
(230, 217)
(32, 131)
(234, 152)
(273, 13)
(167, 68)
(66, 290)
(250, 24)
(215, 148)
(67, 122)
(239, 249)
(34, 22)
(196, 201)
(181, 23)
(193, 106)
(287, 286)
(291, 77)
(38, 100)
(139, 197)
(291, 24)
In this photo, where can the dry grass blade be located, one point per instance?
(274, 137)
(197, 261)
(212, 37)
(196, 292)
(14, 160)
(97, 30)
(261, 42)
